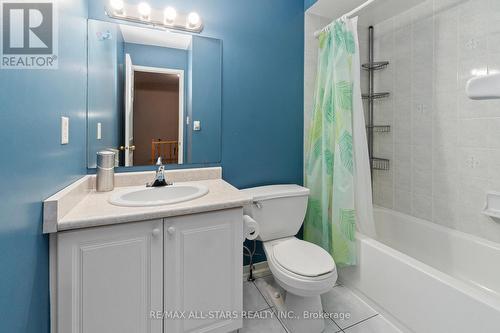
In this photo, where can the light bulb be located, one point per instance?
(144, 10)
(117, 6)
(193, 19)
(169, 14)
(479, 72)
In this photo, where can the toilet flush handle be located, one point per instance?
(258, 204)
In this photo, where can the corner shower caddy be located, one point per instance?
(371, 67)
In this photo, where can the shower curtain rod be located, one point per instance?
(351, 13)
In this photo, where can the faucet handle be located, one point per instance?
(158, 161)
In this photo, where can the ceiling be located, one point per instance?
(376, 12)
(149, 36)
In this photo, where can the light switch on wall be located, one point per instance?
(196, 125)
(64, 130)
(99, 131)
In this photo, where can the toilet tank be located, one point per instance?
(279, 209)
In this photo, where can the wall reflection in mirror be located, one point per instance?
(153, 93)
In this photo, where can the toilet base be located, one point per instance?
(308, 311)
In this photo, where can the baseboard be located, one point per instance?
(261, 269)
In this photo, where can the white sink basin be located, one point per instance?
(157, 196)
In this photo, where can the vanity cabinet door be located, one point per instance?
(203, 271)
(110, 278)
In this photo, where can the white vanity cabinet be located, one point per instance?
(110, 279)
(203, 271)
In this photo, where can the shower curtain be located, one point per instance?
(337, 170)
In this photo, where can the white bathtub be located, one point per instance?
(430, 278)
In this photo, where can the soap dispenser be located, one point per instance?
(105, 179)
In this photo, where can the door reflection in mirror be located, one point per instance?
(158, 115)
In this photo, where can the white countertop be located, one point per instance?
(95, 209)
(88, 208)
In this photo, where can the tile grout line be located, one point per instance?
(333, 321)
(283, 325)
(260, 292)
(359, 322)
(270, 307)
(273, 308)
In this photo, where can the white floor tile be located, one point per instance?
(376, 324)
(341, 301)
(266, 323)
(331, 327)
(252, 298)
(267, 285)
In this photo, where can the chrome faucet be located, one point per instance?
(160, 179)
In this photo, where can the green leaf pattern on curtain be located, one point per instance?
(344, 98)
(331, 218)
(345, 146)
(329, 162)
(330, 110)
(348, 223)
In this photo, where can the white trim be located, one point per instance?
(160, 70)
(180, 73)
(129, 111)
(53, 282)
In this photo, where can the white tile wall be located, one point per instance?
(444, 148)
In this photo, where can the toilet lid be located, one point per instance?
(303, 258)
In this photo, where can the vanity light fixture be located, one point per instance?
(169, 15)
(142, 13)
(118, 7)
(193, 20)
(144, 10)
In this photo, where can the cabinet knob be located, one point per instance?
(171, 230)
(156, 232)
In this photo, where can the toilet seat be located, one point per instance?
(298, 284)
(303, 258)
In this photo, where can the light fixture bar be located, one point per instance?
(167, 18)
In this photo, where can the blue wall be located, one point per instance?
(262, 102)
(156, 56)
(34, 165)
(206, 99)
(309, 3)
(105, 79)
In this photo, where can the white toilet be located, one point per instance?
(303, 269)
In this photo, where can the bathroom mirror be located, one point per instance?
(153, 93)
